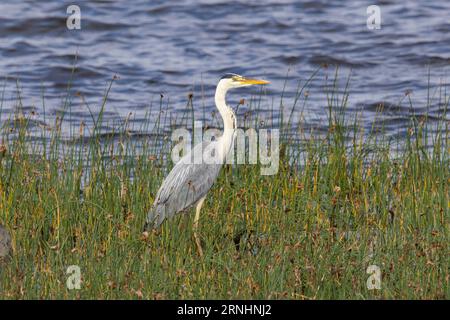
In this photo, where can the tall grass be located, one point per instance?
(341, 201)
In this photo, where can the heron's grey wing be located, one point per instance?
(184, 186)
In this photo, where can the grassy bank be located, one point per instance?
(309, 232)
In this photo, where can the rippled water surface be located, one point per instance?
(179, 47)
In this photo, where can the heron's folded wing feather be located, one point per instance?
(184, 186)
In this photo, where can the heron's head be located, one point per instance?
(231, 80)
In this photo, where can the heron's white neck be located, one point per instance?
(228, 117)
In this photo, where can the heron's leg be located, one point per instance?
(195, 225)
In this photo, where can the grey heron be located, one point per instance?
(189, 181)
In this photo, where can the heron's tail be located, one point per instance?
(155, 218)
(146, 226)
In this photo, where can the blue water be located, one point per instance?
(176, 48)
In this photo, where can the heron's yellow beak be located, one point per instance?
(253, 81)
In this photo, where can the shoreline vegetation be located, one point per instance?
(343, 203)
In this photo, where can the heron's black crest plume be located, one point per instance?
(229, 76)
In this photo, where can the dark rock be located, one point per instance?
(5, 244)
